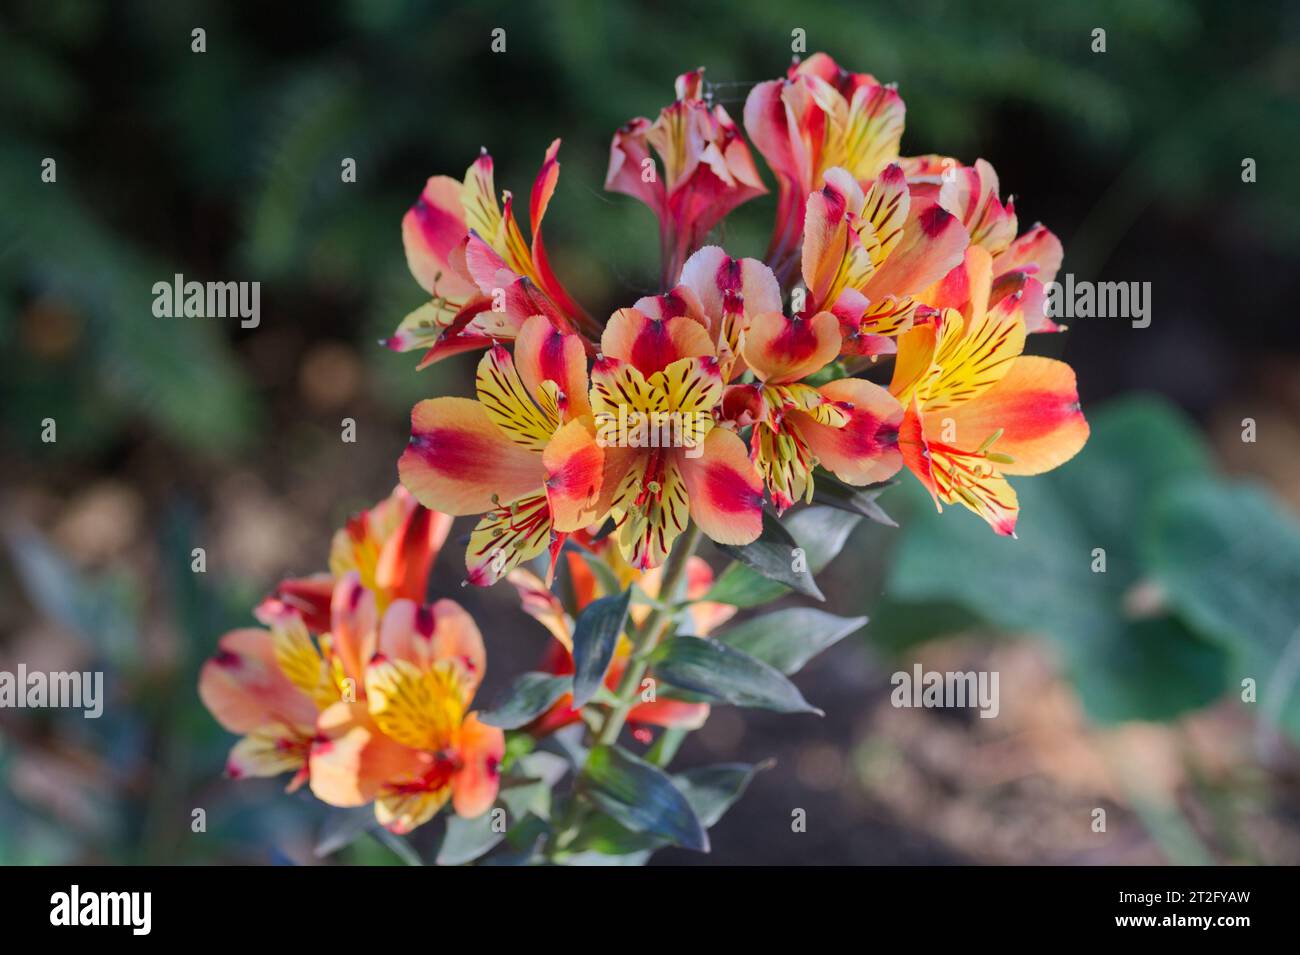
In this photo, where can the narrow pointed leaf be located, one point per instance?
(594, 638)
(820, 531)
(467, 839)
(724, 674)
(529, 696)
(710, 790)
(833, 492)
(787, 639)
(641, 798)
(773, 556)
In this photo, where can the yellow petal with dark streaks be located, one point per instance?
(502, 394)
(417, 708)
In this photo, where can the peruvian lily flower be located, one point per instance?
(728, 294)
(850, 426)
(468, 252)
(391, 546)
(819, 117)
(411, 743)
(245, 689)
(976, 408)
(270, 685)
(705, 169)
(654, 389)
(522, 454)
(540, 603)
(1027, 263)
(867, 256)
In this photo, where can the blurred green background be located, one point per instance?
(183, 433)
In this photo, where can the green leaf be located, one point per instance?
(1228, 558)
(724, 674)
(467, 839)
(772, 556)
(530, 797)
(833, 492)
(641, 798)
(398, 845)
(522, 842)
(594, 638)
(710, 791)
(787, 639)
(342, 827)
(820, 531)
(529, 696)
(1123, 666)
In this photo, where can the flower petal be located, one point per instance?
(309, 597)
(457, 639)
(931, 246)
(407, 555)
(353, 625)
(1038, 252)
(628, 153)
(544, 353)
(671, 714)
(651, 345)
(351, 759)
(480, 748)
(781, 349)
(1036, 406)
(244, 689)
(724, 492)
(616, 384)
(972, 196)
(479, 199)
(542, 605)
(502, 394)
(693, 386)
(270, 751)
(865, 450)
(873, 131)
(431, 229)
(575, 465)
(418, 708)
(403, 809)
(458, 461)
(506, 536)
(710, 273)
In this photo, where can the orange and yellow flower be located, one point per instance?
(271, 685)
(654, 370)
(849, 425)
(705, 169)
(375, 674)
(976, 408)
(818, 117)
(522, 453)
(868, 255)
(1027, 263)
(410, 743)
(467, 251)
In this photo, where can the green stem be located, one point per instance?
(666, 746)
(656, 627)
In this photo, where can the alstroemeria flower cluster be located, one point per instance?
(603, 449)
(367, 697)
(755, 378)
